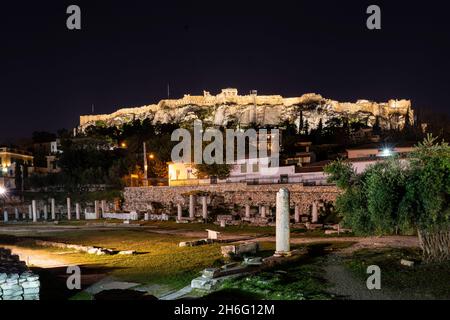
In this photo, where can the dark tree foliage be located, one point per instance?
(399, 196)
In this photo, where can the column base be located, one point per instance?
(283, 254)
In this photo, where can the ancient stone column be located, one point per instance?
(315, 213)
(24, 216)
(5, 216)
(247, 211)
(297, 213)
(69, 212)
(262, 211)
(205, 207)
(191, 206)
(103, 207)
(30, 212)
(282, 223)
(45, 212)
(77, 211)
(34, 209)
(179, 211)
(16, 211)
(97, 210)
(52, 209)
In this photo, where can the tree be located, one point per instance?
(426, 201)
(397, 196)
(376, 128)
(319, 128)
(301, 124)
(222, 171)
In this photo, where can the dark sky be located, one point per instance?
(127, 52)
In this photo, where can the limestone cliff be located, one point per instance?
(228, 107)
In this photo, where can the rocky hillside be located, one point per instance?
(229, 107)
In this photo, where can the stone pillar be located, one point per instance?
(16, 211)
(282, 223)
(191, 206)
(77, 211)
(103, 207)
(179, 211)
(247, 211)
(97, 210)
(262, 211)
(24, 216)
(5, 216)
(33, 205)
(297, 214)
(205, 207)
(45, 212)
(52, 209)
(315, 213)
(69, 212)
(30, 212)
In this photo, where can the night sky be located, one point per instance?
(128, 51)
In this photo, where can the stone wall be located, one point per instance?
(16, 280)
(233, 194)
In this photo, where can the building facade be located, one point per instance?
(12, 162)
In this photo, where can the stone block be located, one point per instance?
(407, 263)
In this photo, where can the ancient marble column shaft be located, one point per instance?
(282, 223)
(104, 209)
(191, 206)
(34, 210)
(205, 207)
(53, 209)
(77, 211)
(247, 211)
(297, 213)
(179, 211)
(262, 211)
(69, 211)
(97, 209)
(315, 214)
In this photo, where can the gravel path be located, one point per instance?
(346, 286)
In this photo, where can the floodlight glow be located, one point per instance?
(2, 191)
(386, 152)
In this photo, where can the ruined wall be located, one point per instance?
(16, 280)
(238, 194)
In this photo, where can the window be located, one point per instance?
(255, 167)
(244, 168)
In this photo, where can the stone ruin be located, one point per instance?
(17, 282)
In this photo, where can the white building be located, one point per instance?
(252, 171)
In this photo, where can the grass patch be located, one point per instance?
(424, 280)
(159, 259)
